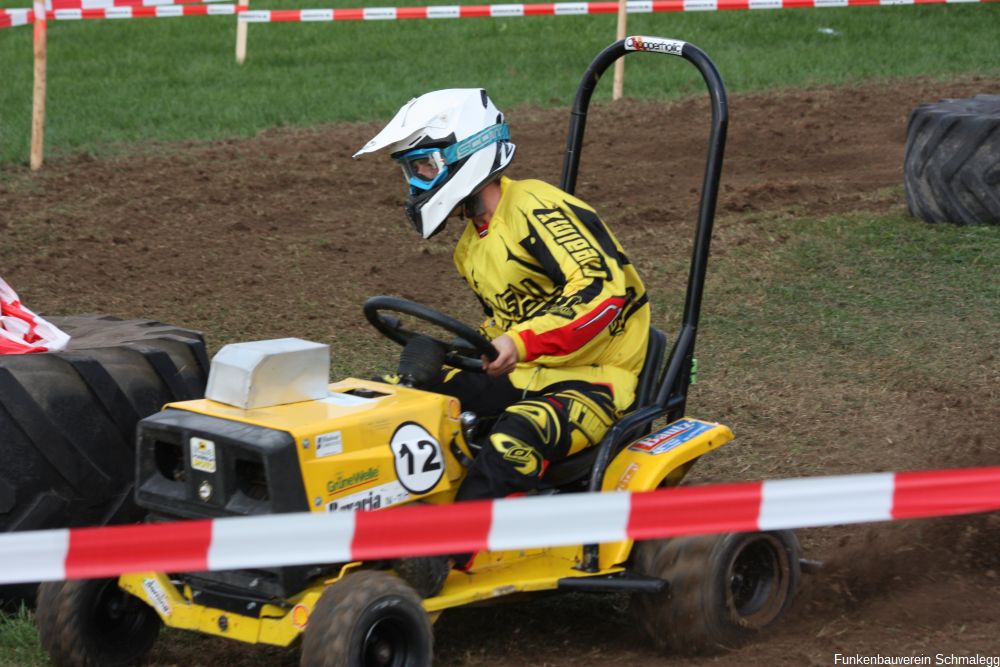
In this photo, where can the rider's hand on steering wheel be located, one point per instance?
(507, 357)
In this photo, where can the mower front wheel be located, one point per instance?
(94, 623)
(368, 619)
(724, 589)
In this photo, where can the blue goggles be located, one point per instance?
(425, 168)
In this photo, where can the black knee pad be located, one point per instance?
(526, 434)
(540, 424)
(533, 431)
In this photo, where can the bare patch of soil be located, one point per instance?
(284, 234)
(288, 227)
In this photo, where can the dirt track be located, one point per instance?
(285, 235)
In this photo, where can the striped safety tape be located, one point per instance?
(21, 330)
(513, 523)
(120, 9)
(137, 12)
(10, 18)
(101, 4)
(75, 10)
(554, 9)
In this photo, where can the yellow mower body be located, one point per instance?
(343, 442)
(369, 446)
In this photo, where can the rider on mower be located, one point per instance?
(566, 310)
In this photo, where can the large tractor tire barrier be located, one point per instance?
(68, 420)
(952, 161)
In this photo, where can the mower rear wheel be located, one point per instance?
(368, 619)
(724, 589)
(94, 623)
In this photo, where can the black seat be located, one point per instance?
(649, 378)
(576, 469)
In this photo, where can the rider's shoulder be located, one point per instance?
(533, 193)
(528, 186)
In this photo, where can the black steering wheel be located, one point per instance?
(464, 353)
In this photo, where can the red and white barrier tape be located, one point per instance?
(513, 523)
(102, 4)
(10, 18)
(75, 10)
(553, 9)
(118, 9)
(21, 330)
(136, 12)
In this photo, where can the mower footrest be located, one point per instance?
(619, 582)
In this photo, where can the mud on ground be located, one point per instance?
(284, 234)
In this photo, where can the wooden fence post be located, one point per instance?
(619, 80)
(241, 32)
(38, 106)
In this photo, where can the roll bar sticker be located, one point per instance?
(672, 47)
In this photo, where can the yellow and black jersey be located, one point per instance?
(551, 275)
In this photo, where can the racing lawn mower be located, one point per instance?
(266, 440)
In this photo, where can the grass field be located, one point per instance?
(19, 641)
(853, 313)
(114, 82)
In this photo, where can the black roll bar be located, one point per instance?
(671, 397)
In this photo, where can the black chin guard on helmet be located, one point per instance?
(468, 208)
(412, 207)
(473, 205)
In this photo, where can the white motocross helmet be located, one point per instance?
(450, 144)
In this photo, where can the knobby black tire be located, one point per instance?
(68, 420)
(425, 574)
(952, 163)
(696, 615)
(94, 623)
(341, 624)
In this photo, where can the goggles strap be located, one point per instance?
(478, 141)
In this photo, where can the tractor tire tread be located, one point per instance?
(951, 165)
(62, 628)
(68, 421)
(692, 617)
(344, 601)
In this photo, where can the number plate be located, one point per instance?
(417, 458)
